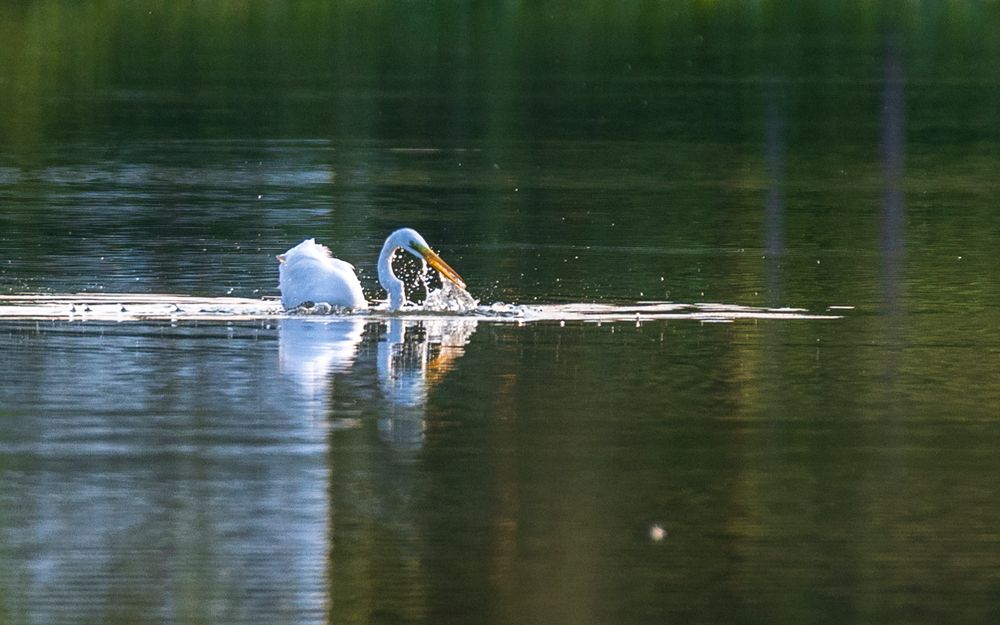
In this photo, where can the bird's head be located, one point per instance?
(411, 241)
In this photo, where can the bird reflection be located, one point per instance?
(311, 351)
(411, 356)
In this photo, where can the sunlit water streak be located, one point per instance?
(247, 512)
(112, 491)
(123, 307)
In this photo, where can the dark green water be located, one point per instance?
(746, 153)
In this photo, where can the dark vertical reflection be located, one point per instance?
(774, 200)
(892, 240)
(890, 410)
(893, 152)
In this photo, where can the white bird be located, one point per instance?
(309, 273)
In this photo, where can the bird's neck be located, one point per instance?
(388, 279)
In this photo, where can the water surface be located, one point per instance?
(268, 468)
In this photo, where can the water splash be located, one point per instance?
(450, 298)
(447, 302)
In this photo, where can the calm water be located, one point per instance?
(453, 471)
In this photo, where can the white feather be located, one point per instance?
(310, 273)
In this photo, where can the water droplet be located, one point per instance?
(657, 533)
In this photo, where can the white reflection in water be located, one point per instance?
(176, 468)
(415, 355)
(411, 356)
(156, 476)
(312, 351)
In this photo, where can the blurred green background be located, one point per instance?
(515, 135)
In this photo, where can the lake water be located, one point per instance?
(460, 468)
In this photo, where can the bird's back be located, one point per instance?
(309, 273)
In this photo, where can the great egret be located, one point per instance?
(309, 273)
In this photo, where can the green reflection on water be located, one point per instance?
(655, 128)
(501, 72)
(792, 487)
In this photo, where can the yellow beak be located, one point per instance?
(438, 264)
(281, 258)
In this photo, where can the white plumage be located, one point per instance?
(309, 273)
